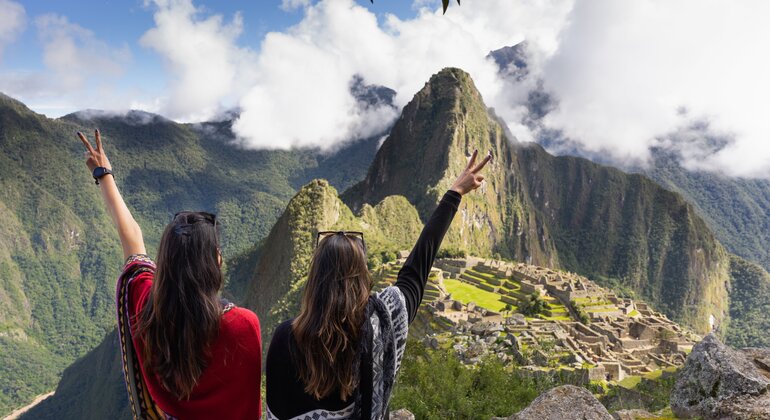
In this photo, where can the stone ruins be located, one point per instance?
(583, 328)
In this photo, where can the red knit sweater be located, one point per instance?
(229, 387)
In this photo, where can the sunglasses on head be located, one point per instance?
(324, 234)
(209, 217)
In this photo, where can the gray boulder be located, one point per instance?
(564, 402)
(402, 414)
(718, 382)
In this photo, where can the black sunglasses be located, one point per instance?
(326, 233)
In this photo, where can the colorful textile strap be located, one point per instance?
(142, 404)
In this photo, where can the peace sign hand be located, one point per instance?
(470, 179)
(95, 157)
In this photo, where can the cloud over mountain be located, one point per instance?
(13, 20)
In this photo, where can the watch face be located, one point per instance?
(99, 172)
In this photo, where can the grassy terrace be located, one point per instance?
(465, 293)
(630, 382)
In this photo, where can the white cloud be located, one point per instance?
(80, 70)
(301, 96)
(75, 55)
(13, 20)
(624, 71)
(205, 64)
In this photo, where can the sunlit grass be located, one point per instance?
(465, 293)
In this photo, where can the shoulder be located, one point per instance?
(393, 298)
(242, 315)
(283, 331)
(242, 322)
(280, 345)
(139, 259)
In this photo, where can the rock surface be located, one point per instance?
(564, 402)
(718, 382)
(402, 414)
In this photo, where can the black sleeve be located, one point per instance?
(414, 274)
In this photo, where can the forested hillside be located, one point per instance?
(736, 209)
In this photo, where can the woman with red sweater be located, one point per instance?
(187, 353)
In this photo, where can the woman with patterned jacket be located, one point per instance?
(339, 357)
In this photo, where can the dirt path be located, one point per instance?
(18, 412)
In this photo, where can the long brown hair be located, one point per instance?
(328, 327)
(181, 317)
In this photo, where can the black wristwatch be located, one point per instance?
(100, 172)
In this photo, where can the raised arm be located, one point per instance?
(130, 234)
(414, 274)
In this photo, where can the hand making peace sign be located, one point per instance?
(470, 179)
(95, 157)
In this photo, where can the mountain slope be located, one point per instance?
(736, 209)
(561, 212)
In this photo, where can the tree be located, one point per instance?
(534, 305)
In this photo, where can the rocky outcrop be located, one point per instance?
(718, 382)
(402, 414)
(564, 402)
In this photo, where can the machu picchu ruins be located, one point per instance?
(476, 307)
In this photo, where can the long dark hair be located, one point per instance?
(181, 317)
(328, 327)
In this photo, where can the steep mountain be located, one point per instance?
(426, 150)
(59, 254)
(556, 211)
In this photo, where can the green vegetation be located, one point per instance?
(465, 293)
(749, 305)
(533, 306)
(736, 209)
(435, 385)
